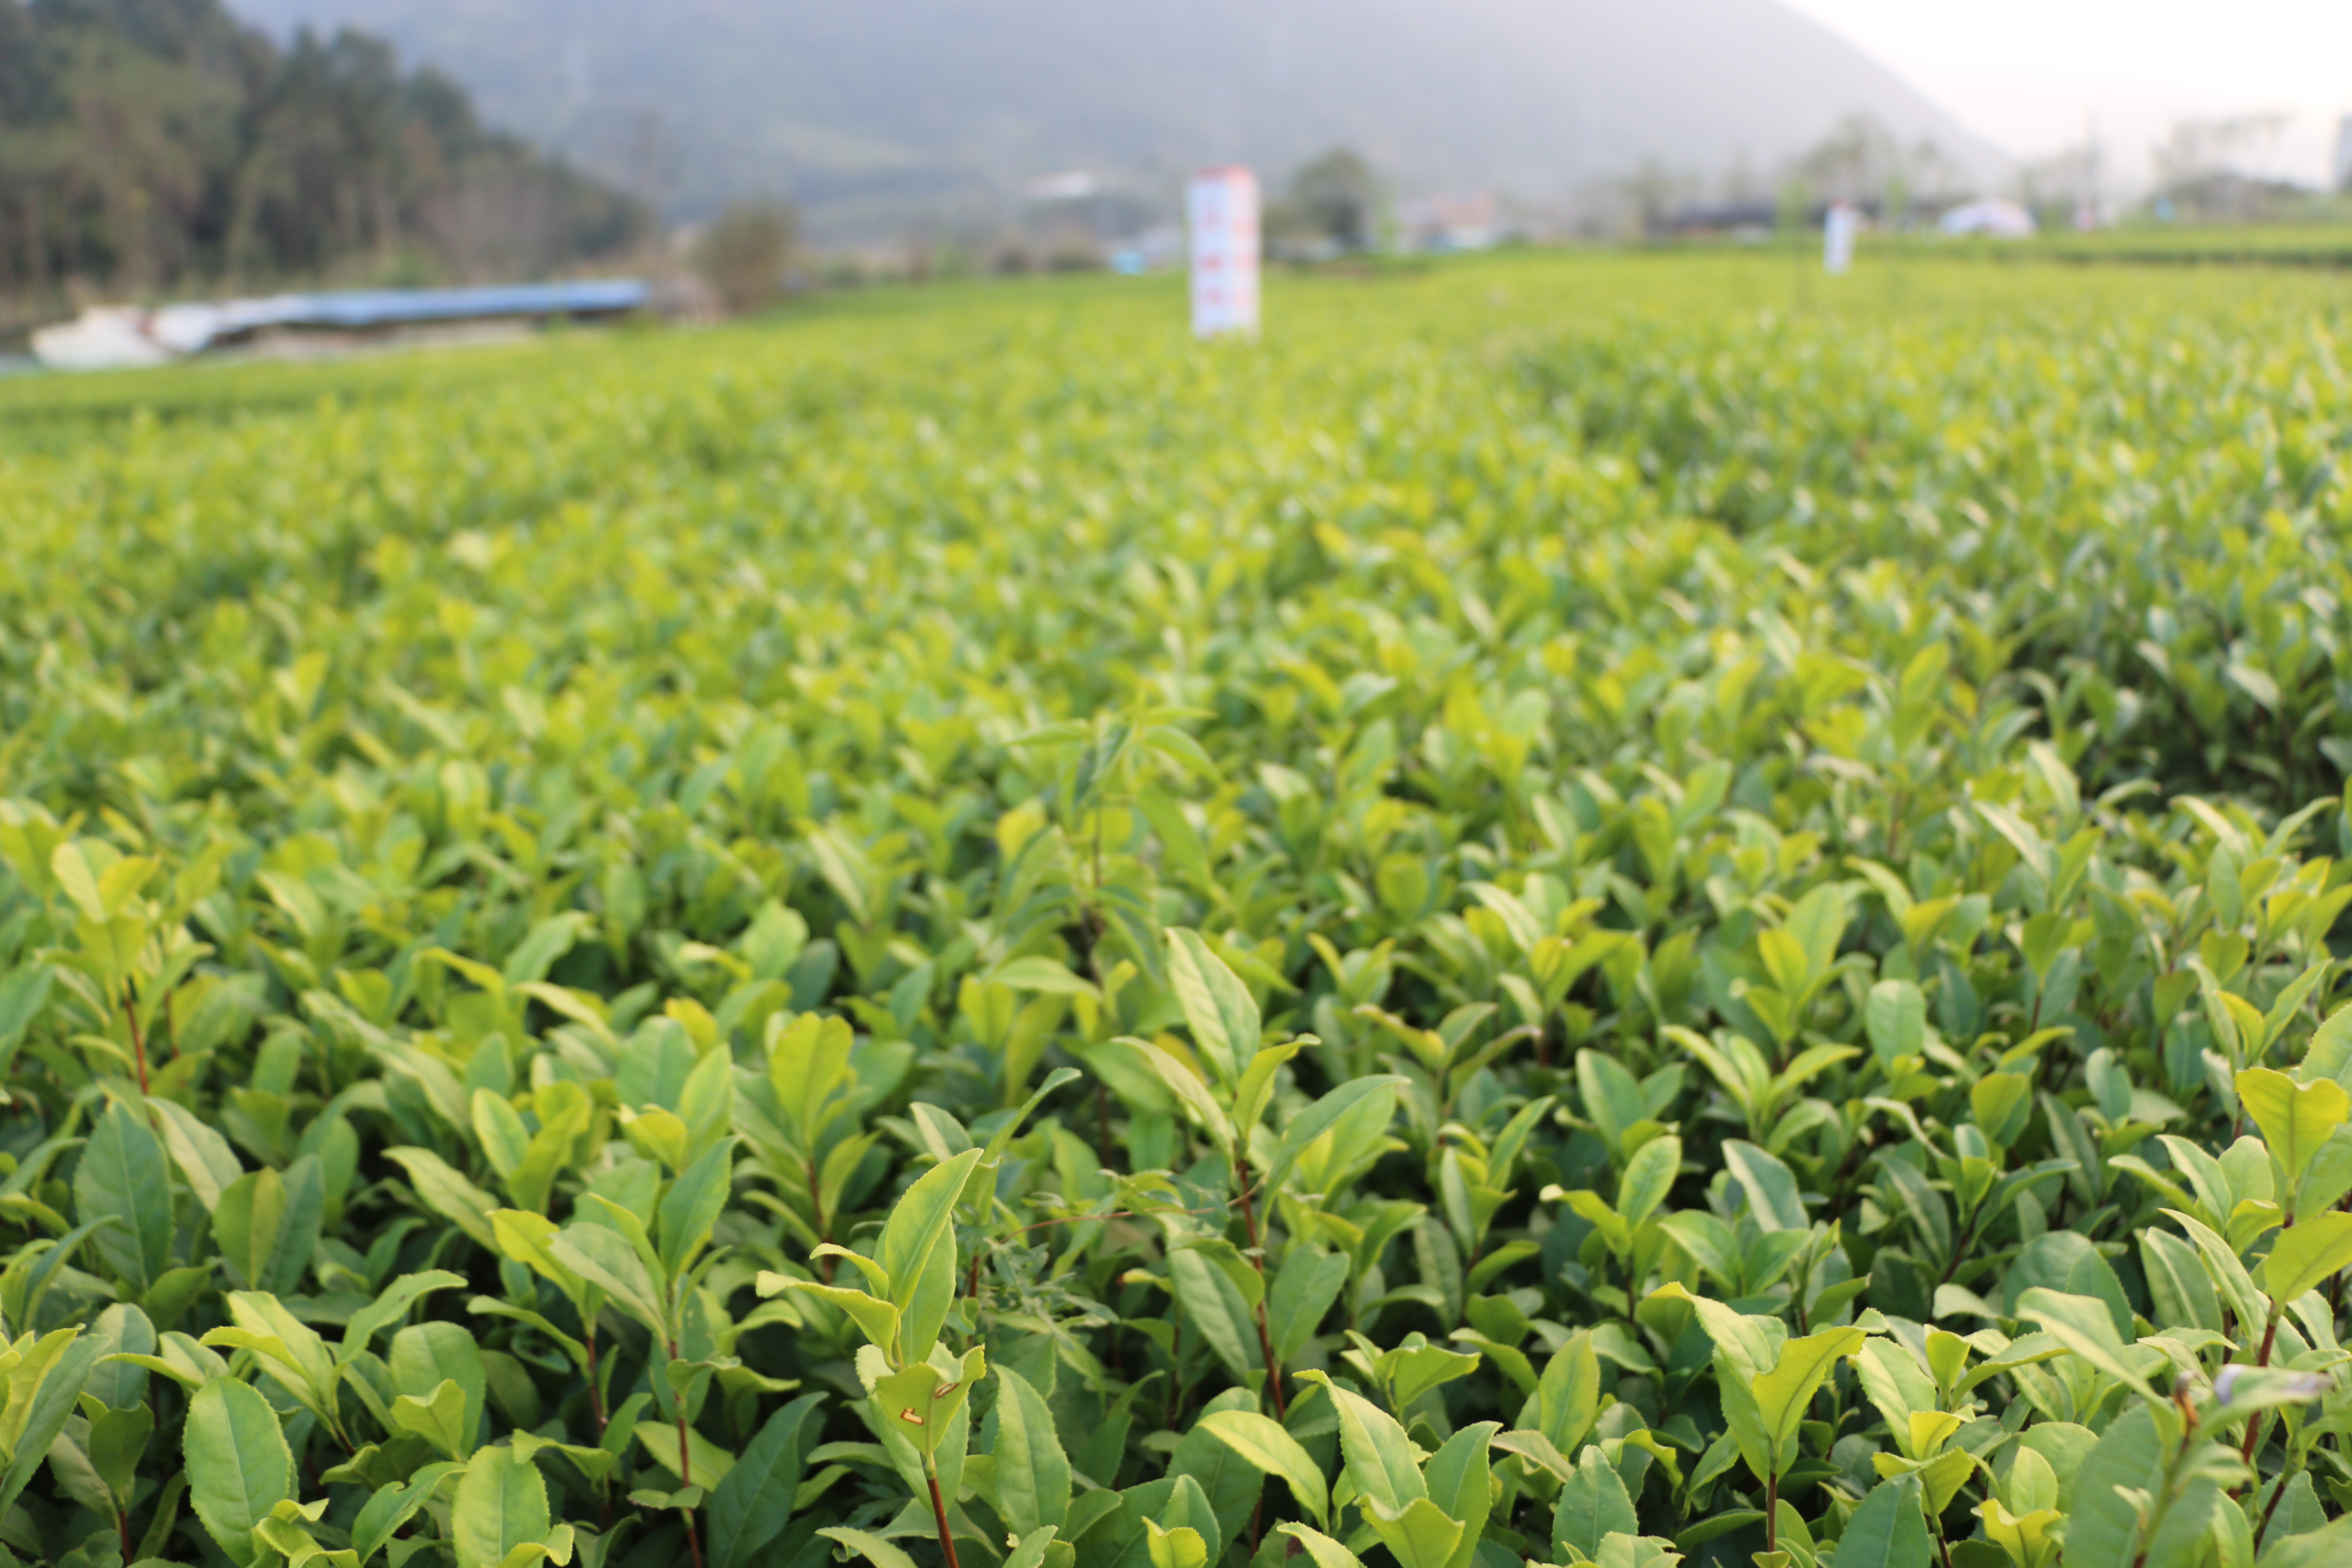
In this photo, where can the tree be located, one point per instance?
(742, 255)
(1337, 200)
(1854, 161)
(156, 144)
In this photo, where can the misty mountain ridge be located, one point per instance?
(881, 114)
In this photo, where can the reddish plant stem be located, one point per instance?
(138, 1037)
(940, 1512)
(2264, 1527)
(1257, 1257)
(2254, 1422)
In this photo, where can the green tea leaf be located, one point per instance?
(239, 1467)
(1263, 1442)
(501, 1504)
(1032, 1474)
(121, 1176)
(919, 1251)
(2306, 1256)
(749, 1506)
(1888, 1531)
(1217, 1006)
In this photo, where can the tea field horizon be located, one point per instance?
(1597, 908)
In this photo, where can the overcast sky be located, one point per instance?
(2029, 74)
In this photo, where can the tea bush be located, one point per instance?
(1583, 912)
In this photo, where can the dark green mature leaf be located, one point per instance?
(1214, 1307)
(1303, 1290)
(1231, 1484)
(395, 1505)
(121, 1176)
(391, 1306)
(752, 1502)
(1592, 1504)
(1318, 1119)
(23, 994)
(693, 1205)
(604, 1258)
(1773, 1196)
(1888, 1531)
(2102, 1527)
(2064, 1261)
(126, 1329)
(1032, 1474)
(425, 1356)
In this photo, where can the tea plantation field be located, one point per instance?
(1582, 910)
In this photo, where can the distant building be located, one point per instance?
(2344, 153)
(1074, 185)
(1747, 220)
(1451, 223)
(1992, 217)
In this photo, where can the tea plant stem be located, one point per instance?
(940, 1512)
(1771, 1512)
(1960, 1248)
(2254, 1422)
(685, 1464)
(1257, 1257)
(2269, 1508)
(1175, 1365)
(138, 1038)
(817, 1210)
(595, 1390)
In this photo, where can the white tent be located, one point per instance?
(102, 338)
(2000, 219)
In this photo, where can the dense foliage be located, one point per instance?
(1497, 931)
(158, 143)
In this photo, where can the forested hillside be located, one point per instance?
(151, 144)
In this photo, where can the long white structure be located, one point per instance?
(111, 337)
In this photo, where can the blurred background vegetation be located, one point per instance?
(147, 146)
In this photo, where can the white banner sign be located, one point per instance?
(1838, 231)
(1222, 206)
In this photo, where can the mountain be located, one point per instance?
(870, 111)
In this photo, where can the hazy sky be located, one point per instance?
(2028, 73)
